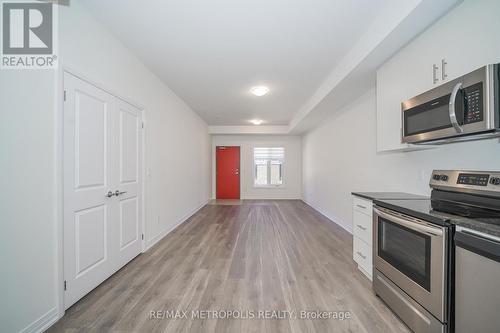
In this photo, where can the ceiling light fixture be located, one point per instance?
(259, 91)
(256, 121)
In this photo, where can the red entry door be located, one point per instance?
(228, 172)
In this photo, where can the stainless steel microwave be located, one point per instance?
(466, 108)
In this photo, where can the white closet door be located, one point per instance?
(129, 181)
(101, 156)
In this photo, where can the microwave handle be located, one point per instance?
(451, 108)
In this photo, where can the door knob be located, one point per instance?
(117, 192)
(109, 194)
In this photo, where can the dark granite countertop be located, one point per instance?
(487, 226)
(388, 195)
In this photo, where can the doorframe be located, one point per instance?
(59, 170)
(214, 166)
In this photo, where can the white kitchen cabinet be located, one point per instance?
(398, 80)
(363, 256)
(362, 226)
(362, 205)
(362, 235)
(466, 38)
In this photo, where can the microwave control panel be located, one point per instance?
(473, 100)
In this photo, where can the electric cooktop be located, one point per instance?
(441, 212)
(464, 198)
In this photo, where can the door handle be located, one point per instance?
(109, 194)
(451, 108)
(117, 192)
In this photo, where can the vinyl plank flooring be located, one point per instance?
(249, 257)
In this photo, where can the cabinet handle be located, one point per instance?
(361, 255)
(443, 72)
(361, 227)
(360, 206)
(434, 73)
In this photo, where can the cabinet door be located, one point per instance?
(362, 227)
(362, 255)
(404, 76)
(388, 114)
(468, 37)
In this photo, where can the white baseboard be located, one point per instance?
(42, 323)
(367, 274)
(319, 210)
(265, 198)
(159, 237)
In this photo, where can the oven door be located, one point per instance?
(413, 254)
(430, 120)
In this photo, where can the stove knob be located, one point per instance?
(436, 177)
(444, 178)
(495, 181)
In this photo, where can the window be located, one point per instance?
(268, 166)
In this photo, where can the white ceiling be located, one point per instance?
(211, 53)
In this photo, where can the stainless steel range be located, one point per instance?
(411, 268)
(414, 252)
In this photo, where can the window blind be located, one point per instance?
(275, 153)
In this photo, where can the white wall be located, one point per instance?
(177, 156)
(177, 140)
(28, 210)
(292, 174)
(340, 157)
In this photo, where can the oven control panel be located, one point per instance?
(473, 179)
(479, 182)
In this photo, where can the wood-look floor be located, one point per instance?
(254, 256)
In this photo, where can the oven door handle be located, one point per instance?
(413, 225)
(452, 108)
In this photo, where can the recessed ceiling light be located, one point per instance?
(256, 121)
(259, 91)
